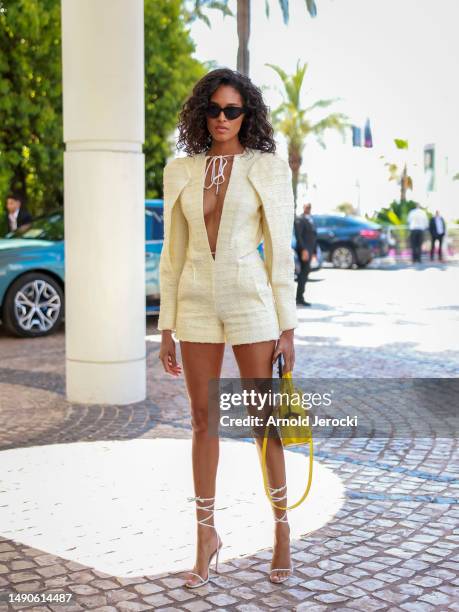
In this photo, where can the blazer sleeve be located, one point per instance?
(175, 244)
(278, 226)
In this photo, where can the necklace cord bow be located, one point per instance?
(217, 175)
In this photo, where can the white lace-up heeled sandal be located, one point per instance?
(209, 508)
(281, 519)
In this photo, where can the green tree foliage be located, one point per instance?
(170, 73)
(396, 213)
(31, 147)
(31, 102)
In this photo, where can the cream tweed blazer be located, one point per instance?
(265, 182)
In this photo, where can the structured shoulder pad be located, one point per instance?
(270, 165)
(176, 168)
(271, 176)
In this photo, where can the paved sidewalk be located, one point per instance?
(386, 539)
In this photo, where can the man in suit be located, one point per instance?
(306, 241)
(437, 229)
(18, 216)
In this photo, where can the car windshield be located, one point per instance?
(50, 227)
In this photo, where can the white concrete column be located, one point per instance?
(104, 190)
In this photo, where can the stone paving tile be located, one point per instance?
(249, 608)
(197, 606)
(368, 603)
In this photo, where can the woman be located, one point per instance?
(231, 192)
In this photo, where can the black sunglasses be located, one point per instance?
(231, 112)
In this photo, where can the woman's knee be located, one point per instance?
(199, 417)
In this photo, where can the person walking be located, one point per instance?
(17, 215)
(437, 229)
(229, 193)
(417, 224)
(306, 241)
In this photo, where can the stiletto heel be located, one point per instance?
(215, 554)
(281, 519)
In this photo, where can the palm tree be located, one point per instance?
(294, 123)
(243, 21)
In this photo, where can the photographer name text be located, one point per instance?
(306, 421)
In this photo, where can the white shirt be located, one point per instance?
(14, 219)
(417, 219)
(439, 224)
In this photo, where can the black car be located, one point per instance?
(348, 241)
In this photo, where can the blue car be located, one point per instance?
(32, 272)
(349, 241)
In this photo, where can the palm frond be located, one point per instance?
(297, 83)
(322, 104)
(221, 5)
(283, 75)
(335, 121)
(312, 8)
(393, 217)
(193, 10)
(321, 142)
(284, 5)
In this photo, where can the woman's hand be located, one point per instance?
(286, 347)
(167, 354)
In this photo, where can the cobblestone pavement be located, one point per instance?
(394, 542)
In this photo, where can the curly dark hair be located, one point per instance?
(256, 132)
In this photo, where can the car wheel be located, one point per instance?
(33, 306)
(343, 257)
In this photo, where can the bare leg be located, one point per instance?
(201, 362)
(255, 361)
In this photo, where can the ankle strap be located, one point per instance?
(272, 491)
(281, 519)
(209, 508)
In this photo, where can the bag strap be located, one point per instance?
(263, 461)
(265, 475)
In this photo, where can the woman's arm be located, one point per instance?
(277, 223)
(174, 246)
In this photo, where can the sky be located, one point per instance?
(392, 61)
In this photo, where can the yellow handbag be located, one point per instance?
(290, 433)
